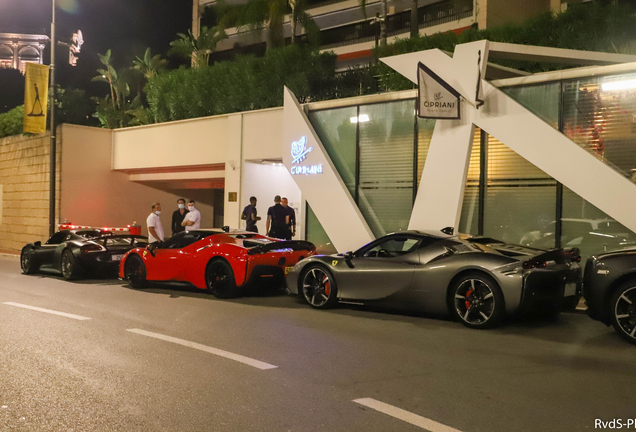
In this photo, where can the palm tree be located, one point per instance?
(256, 14)
(268, 14)
(299, 15)
(118, 88)
(198, 49)
(149, 65)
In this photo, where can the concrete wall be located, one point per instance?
(492, 13)
(263, 134)
(186, 142)
(24, 190)
(94, 195)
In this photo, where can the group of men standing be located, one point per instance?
(183, 219)
(281, 219)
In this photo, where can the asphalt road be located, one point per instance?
(301, 370)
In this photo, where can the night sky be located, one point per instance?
(127, 27)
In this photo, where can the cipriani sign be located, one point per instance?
(299, 152)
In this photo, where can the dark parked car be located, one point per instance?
(478, 280)
(609, 288)
(76, 252)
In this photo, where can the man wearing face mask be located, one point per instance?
(155, 229)
(192, 220)
(178, 216)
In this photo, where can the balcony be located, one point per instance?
(428, 16)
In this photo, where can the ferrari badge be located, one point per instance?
(334, 262)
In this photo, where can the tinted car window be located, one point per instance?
(88, 233)
(57, 238)
(393, 247)
(184, 239)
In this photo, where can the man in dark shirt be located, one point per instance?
(291, 226)
(178, 215)
(250, 216)
(277, 220)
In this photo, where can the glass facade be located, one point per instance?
(380, 151)
(317, 235)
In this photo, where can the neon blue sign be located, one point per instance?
(299, 152)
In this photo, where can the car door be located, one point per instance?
(380, 269)
(169, 260)
(46, 254)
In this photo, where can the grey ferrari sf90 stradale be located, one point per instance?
(477, 280)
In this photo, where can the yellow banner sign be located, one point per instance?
(36, 93)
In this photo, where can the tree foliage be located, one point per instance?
(248, 82)
(198, 49)
(149, 65)
(11, 122)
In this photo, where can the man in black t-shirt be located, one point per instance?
(250, 216)
(291, 225)
(177, 217)
(277, 220)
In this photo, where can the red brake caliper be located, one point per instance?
(326, 285)
(468, 293)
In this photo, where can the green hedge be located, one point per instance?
(246, 83)
(11, 122)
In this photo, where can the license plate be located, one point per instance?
(117, 257)
(570, 289)
(288, 269)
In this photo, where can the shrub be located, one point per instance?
(12, 122)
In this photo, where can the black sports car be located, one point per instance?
(76, 251)
(609, 288)
(478, 280)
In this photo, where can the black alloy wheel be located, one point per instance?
(319, 287)
(477, 301)
(135, 271)
(69, 265)
(623, 304)
(220, 281)
(26, 261)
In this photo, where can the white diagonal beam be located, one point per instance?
(325, 192)
(519, 129)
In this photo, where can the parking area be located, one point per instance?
(97, 355)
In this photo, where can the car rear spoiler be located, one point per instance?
(115, 236)
(296, 245)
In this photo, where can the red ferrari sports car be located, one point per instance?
(222, 262)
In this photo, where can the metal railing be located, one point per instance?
(428, 16)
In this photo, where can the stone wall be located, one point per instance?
(24, 190)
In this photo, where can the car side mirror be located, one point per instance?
(37, 243)
(348, 256)
(226, 228)
(152, 247)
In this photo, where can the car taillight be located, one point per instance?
(534, 264)
(92, 248)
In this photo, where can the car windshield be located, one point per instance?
(184, 239)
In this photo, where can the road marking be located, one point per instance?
(237, 357)
(64, 314)
(409, 417)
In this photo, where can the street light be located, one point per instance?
(53, 131)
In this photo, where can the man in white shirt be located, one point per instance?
(155, 229)
(192, 221)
